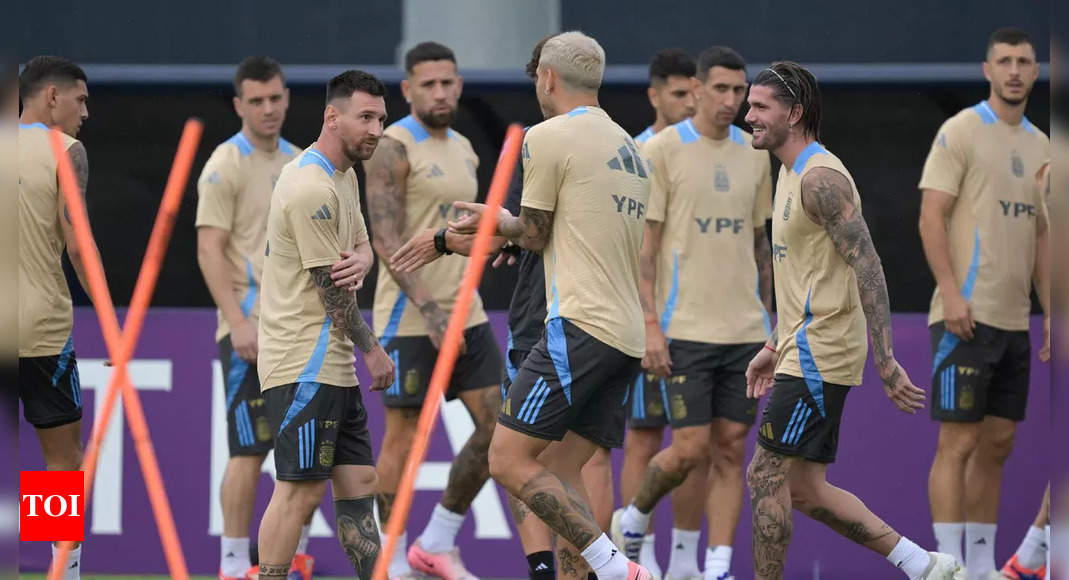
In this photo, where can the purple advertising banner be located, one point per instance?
(884, 456)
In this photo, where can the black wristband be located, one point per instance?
(439, 242)
(511, 249)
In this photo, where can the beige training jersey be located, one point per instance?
(234, 194)
(315, 214)
(586, 170)
(45, 312)
(441, 171)
(710, 195)
(820, 323)
(990, 167)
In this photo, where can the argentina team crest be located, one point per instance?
(326, 453)
(1017, 164)
(411, 384)
(721, 182)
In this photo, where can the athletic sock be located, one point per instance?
(234, 557)
(948, 539)
(606, 559)
(399, 561)
(440, 535)
(1046, 533)
(683, 562)
(632, 519)
(909, 558)
(302, 544)
(979, 548)
(73, 570)
(1032, 552)
(540, 566)
(647, 555)
(717, 562)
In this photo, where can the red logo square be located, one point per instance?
(51, 506)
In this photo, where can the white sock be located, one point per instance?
(440, 535)
(909, 558)
(399, 561)
(634, 521)
(607, 560)
(1032, 552)
(302, 544)
(948, 539)
(979, 548)
(647, 555)
(1046, 532)
(683, 563)
(234, 557)
(73, 569)
(717, 561)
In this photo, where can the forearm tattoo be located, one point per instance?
(561, 507)
(828, 199)
(341, 307)
(762, 252)
(357, 533)
(647, 267)
(531, 230)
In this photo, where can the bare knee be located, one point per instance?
(999, 444)
(957, 441)
(642, 444)
(499, 456)
(727, 456)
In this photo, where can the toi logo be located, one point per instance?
(51, 506)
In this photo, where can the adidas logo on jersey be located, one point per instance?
(322, 214)
(628, 160)
(435, 171)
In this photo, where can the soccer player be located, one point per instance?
(671, 94)
(54, 94)
(984, 228)
(829, 286)
(584, 196)
(711, 195)
(234, 196)
(309, 324)
(421, 167)
(527, 314)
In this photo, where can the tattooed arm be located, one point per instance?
(80, 162)
(531, 230)
(762, 252)
(340, 304)
(828, 199)
(1041, 278)
(386, 182)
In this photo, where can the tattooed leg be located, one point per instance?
(668, 469)
(471, 467)
(770, 500)
(274, 571)
(357, 533)
(838, 509)
(535, 535)
(571, 565)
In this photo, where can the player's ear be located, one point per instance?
(651, 94)
(237, 105)
(987, 71)
(330, 116)
(51, 95)
(406, 90)
(285, 98)
(460, 84)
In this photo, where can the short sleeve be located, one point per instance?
(217, 191)
(948, 159)
(762, 207)
(312, 216)
(660, 180)
(543, 168)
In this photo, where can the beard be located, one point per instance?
(1010, 101)
(361, 150)
(773, 138)
(437, 120)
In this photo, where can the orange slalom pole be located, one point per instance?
(121, 346)
(447, 356)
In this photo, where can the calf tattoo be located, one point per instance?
(273, 571)
(656, 483)
(561, 507)
(770, 500)
(357, 533)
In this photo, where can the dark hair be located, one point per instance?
(721, 56)
(669, 63)
(44, 69)
(352, 81)
(536, 55)
(427, 51)
(257, 68)
(793, 85)
(1009, 35)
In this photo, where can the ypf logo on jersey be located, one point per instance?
(51, 506)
